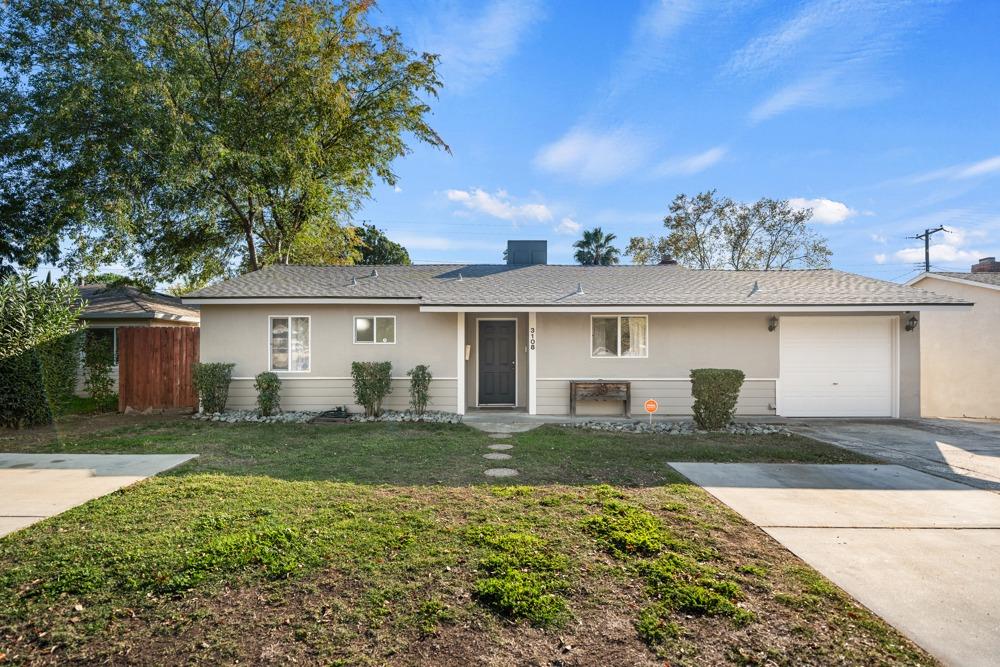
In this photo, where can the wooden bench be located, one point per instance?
(599, 390)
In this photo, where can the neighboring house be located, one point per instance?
(110, 308)
(960, 352)
(812, 343)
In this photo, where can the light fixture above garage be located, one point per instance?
(911, 323)
(772, 323)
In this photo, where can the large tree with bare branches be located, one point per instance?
(199, 137)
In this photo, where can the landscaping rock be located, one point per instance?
(252, 416)
(501, 472)
(677, 427)
(430, 416)
(495, 456)
(500, 447)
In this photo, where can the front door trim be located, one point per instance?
(517, 370)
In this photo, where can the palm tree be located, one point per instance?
(595, 248)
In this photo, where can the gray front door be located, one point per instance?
(497, 365)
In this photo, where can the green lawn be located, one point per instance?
(383, 544)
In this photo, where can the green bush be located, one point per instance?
(22, 392)
(268, 386)
(211, 381)
(372, 383)
(420, 387)
(98, 357)
(60, 359)
(715, 392)
(34, 312)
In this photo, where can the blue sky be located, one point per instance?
(883, 115)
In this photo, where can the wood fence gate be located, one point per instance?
(154, 367)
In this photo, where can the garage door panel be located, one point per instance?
(837, 366)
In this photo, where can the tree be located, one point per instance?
(33, 313)
(377, 248)
(707, 232)
(199, 137)
(595, 248)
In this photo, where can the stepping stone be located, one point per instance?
(501, 447)
(500, 436)
(497, 457)
(501, 472)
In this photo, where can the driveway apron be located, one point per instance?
(918, 550)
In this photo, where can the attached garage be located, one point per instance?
(838, 367)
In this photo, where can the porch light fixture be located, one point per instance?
(911, 323)
(772, 323)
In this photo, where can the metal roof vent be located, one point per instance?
(374, 273)
(579, 288)
(754, 289)
(459, 276)
(354, 281)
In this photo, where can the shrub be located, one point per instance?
(420, 386)
(60, 359)
(715, 392)
(32, 313)
(98, 357)
(625, 529)
(268, 386)
(211, 381)
(22, 393)
(372, 383)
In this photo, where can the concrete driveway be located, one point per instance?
(37, 486)
(963, 450)
(918, 550)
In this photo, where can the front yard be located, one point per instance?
(384, 544)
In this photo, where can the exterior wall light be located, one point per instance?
(772, 323)
(911, 323)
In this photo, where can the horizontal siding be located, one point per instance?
(317, 395)
(674, 397)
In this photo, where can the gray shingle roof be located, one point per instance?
(985, 278)
(129, 302)
(556, 285)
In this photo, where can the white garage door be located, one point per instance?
(836, 366)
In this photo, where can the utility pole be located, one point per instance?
(926, 236)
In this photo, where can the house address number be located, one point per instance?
(531, 338)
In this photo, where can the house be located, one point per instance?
(960, 353)
(112, 307)
(811, 342)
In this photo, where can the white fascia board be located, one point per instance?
(951, 279)
(291, 301)
(638, 308)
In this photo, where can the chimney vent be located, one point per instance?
(667, 260)
(987, 265)
(524, 253)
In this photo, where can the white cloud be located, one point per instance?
(568, 226)
(474, 46)
(396, 188)
(958, 172)
(593, 157)
(499, 205)
(880, 238)
(691, 164)
(825, 211)
(880, 258)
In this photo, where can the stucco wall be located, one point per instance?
(960, 353)
(239, 334)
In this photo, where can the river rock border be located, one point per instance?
(430, 416)
(677, 427)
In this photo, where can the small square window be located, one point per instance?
(378, 330)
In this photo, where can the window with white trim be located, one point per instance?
(289, 343)
(375, 329)
(109, 335)
(619, 336)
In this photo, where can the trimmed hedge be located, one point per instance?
(268, 386)
(22, 392)
(98, 358)
(211, 381)
(372, 383)
(60, 359)
(420, 387)
(715, 392)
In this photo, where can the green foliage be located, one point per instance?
(707, 232)
(22, 391)
(655, 627)
(420, 387)
(595, 248)
(377, 248)
(431, 615)
(268, 386)
(372, 383)
(520, 576)
(60, 359)
(98, 358)
(211, 381)
(228, 133)
(111, 280)
(625, 529)
(33, 312)
(715, 392)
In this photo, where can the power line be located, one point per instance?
(926, 237)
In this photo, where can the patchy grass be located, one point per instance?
(381, 544)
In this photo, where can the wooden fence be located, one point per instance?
(154, 367)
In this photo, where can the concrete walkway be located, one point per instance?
(918, 550)
(36, 486)
(963, 450)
